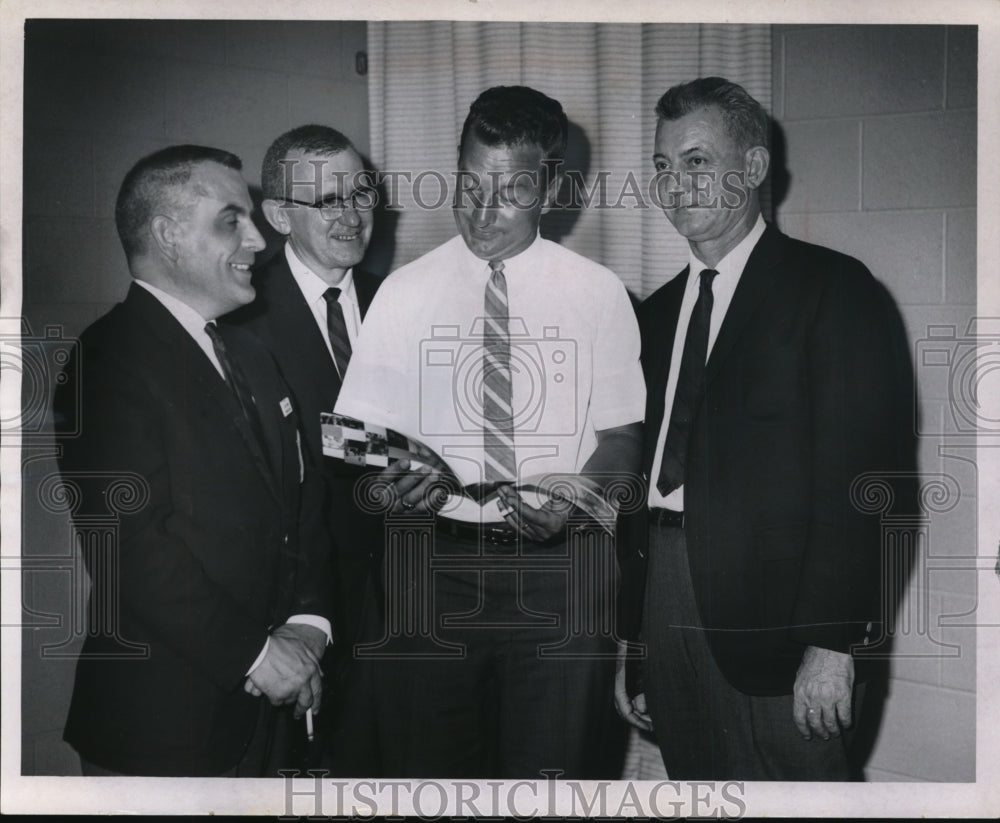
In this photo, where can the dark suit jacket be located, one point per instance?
(210, 553)
(283, 322)
(798, 403)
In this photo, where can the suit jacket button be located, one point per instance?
(285, 539)
(868, 628)
(866, 641)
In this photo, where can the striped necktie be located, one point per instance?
(498, 416)
(238, 385)
(337, 329)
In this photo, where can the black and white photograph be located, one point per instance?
(715, 281)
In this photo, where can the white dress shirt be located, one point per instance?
(730, 269)
(574, 359)
(313, 286)
(194, 324)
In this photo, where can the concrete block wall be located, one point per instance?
(879, 126)
(100, 94)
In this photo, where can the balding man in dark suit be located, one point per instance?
(217, 567)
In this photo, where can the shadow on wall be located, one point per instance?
(274, 240)
(779, 180)
(558, 223)
(382, 248)
(899, 557)
(898, 564)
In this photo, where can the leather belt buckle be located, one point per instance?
(499, 535)
(492, 534)
(666, 517)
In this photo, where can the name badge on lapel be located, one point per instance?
(286, 406)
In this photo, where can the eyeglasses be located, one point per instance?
(332, 207)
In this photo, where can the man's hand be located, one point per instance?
(314, 639)
(538, 525)
(289, 673)
(631, 710)
(822, 693)
(413, 490)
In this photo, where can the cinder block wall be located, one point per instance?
(98, 96)
(880, 128)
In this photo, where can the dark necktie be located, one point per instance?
(690, 388)
(237, 383)
(337, 328)
(498, 415)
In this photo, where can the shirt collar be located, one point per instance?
(190, 319)
(734, 262)
(310, 283)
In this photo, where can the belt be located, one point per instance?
(494, 534)
(666, 517)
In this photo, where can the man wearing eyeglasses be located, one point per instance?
(311, 299)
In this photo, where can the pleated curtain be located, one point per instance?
(424, 75)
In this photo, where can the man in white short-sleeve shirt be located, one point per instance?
(511, 357)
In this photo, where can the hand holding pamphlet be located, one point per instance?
(364, 444)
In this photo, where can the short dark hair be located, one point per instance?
(321, 140)
(745, 118)
(515, 115)
(151, 186)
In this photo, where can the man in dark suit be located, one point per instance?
(219, 552)
(768, 369)
(311, 299)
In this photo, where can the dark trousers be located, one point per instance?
(494, 694)
(345, 743)
(706, 729)
(260, 759)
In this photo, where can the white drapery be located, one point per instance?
(424, 75)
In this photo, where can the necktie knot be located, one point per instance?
(219, 345)
(707, 276)
(222, 355)
(497, 279)
(332, 295)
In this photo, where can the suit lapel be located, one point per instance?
(756, 282)
(660, 327)
(216, 387)
(365, 286)
(197, 367)
(299, 330)
(269, 414)
(665, 329)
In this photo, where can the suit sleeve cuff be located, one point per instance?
(315, 621)
(260, 657)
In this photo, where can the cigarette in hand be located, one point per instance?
(309, 725)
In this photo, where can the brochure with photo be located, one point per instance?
(365, 444)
